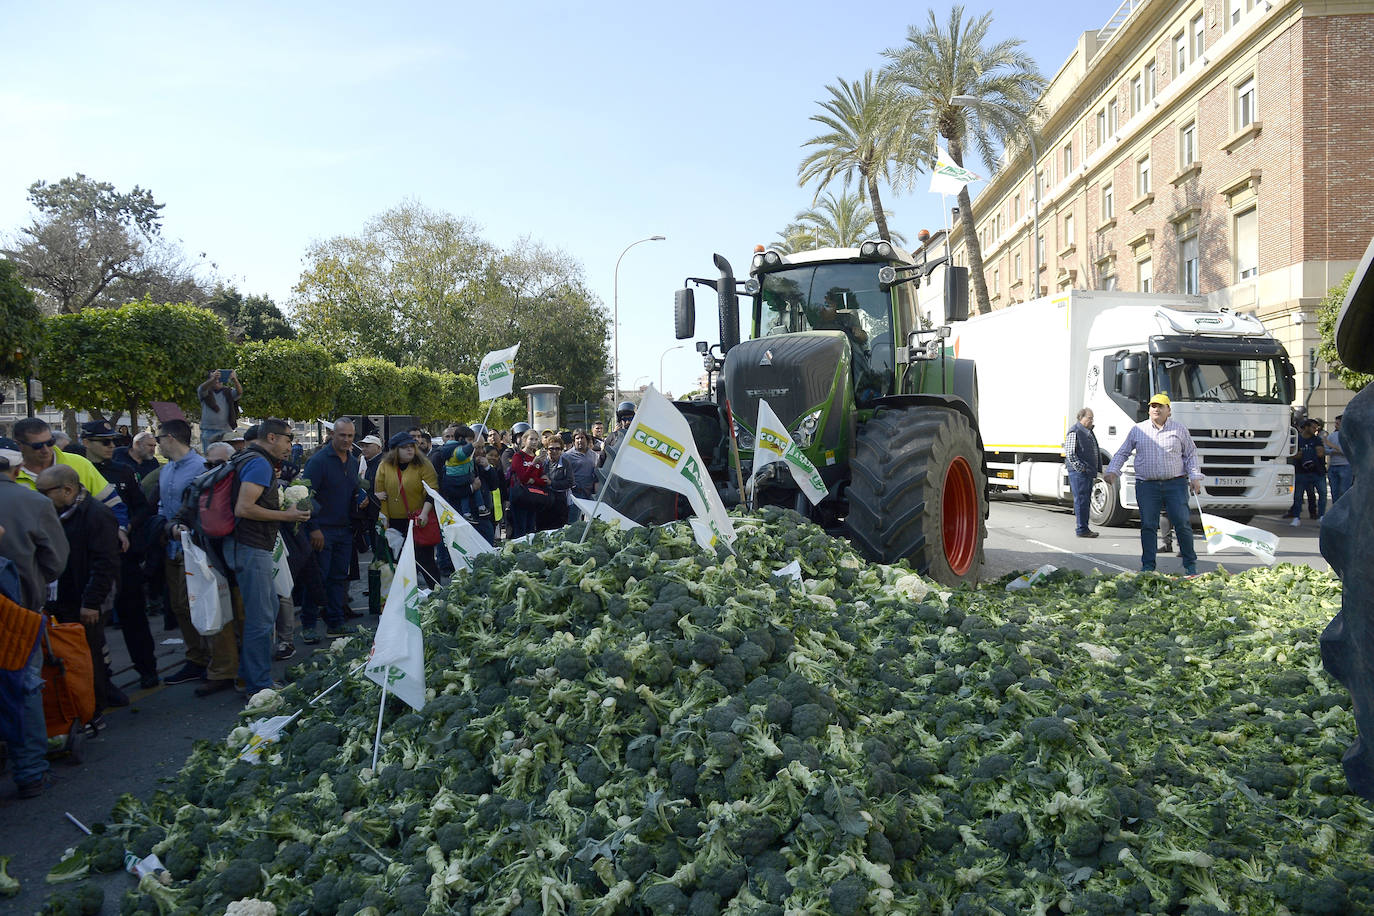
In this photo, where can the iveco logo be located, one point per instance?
(1206, 321)
(767, 359)
(1233, 434)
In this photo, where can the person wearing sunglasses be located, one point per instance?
(40, 451)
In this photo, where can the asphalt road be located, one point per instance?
(149, 740)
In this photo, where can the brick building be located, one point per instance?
(1221, 147)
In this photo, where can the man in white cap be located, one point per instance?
(1166, 469)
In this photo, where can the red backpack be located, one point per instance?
(209, 500)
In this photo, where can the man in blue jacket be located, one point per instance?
(333, 476)
(1084, 462)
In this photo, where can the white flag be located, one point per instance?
(496, 376)
(1222, 534)
(948, 178)
(461, 539)
(398, 650)
(658, 450)
(604, 512)
(774, 443)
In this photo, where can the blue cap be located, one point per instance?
(399, 440)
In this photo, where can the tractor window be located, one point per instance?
(835, 297)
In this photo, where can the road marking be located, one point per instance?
(1081, 556)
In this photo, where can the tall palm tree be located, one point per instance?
(938, 63)
(838, 222)
(864, 137)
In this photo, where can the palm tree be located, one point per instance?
(864, 137)
(838, 222)
(937, 64)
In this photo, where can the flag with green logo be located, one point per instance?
(948, 178)
(496, 375)
(658, 450)
(774, 443)
(462, 540)
(398, 650)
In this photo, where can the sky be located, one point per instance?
(585, 126)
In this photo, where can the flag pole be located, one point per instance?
(381, 708)
(490, 405)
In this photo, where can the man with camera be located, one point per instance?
(219, 404)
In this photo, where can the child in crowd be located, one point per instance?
(458, 481)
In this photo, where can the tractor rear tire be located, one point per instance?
(645, 504)
(917, 492)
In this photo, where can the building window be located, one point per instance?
(1137, 94)
(1188, 265)
(1187, 145)
(1150, 84)
(1108, 203)
(1142, 177)
(1068, 230)
(1068, 160)
(1180, 53)
(1016, 267)
(1039, 251)
(1043, 177)
(1199, 33)
(1245, 104)
(1102, 127)
(1111, 117)
(1237, 8)
(1247, 244)
(1145, 275)
(996, 280)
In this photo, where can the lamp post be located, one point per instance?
(615, 315)
(660, 364)
(974, 101)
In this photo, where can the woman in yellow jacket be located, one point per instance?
(400, 490)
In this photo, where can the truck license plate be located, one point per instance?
(1230, 481)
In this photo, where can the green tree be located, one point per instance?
(21, 324)
(121, 359)
(250, 317)
(864, 136)
(424, 392)
(838, 222)
(370, 386)
(506, 412)
(292, 379)
(1327, 313)
(938, 63)
(460, 398)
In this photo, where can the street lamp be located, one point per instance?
(660, 364)
(615, 313)
(974, 101)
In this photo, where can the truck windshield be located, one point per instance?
(1252, 380)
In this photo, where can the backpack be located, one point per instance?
(208, 504)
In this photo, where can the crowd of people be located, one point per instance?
(92, 533)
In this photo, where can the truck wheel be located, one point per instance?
(917, 492)
(1104, 506)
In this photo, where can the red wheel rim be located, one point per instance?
(959, 516)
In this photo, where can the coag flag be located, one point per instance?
(1223, 534)
(462, 540)
(398, 650)
(658, 450)
(948, 178)
(774, 443)
(590, 507)
(496, 375)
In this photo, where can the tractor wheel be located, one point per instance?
(1104, 505)
(917, 492)
(641, 502)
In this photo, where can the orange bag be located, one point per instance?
(18, 632)
(68, 677)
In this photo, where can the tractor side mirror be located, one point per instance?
(684, 313)
(956, 294)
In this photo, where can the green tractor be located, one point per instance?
(888, 416)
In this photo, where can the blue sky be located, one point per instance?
(583, 125)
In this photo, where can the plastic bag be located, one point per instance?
(206, 589)
(1029, 579)
(281, 570)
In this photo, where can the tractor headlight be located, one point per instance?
(751, 286)
(758, 260)
(744, 437)
(771, 259)
(806, 430)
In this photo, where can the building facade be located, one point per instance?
(1220, 147)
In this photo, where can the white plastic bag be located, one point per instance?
(206, 589)
(281, 570)
(1028, 579)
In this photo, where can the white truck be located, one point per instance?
(1230, 381)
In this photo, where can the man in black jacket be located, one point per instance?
(88, 582)
(131, 602)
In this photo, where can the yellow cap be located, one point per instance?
(1160, 399)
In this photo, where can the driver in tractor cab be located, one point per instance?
(835, 315)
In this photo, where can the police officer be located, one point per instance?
(624, 416)
(130, 603)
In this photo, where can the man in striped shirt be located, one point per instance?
(1166, 468)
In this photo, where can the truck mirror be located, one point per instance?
(956, 294)
(685, 313)
(1290, 377)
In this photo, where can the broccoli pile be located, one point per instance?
(631, 725)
